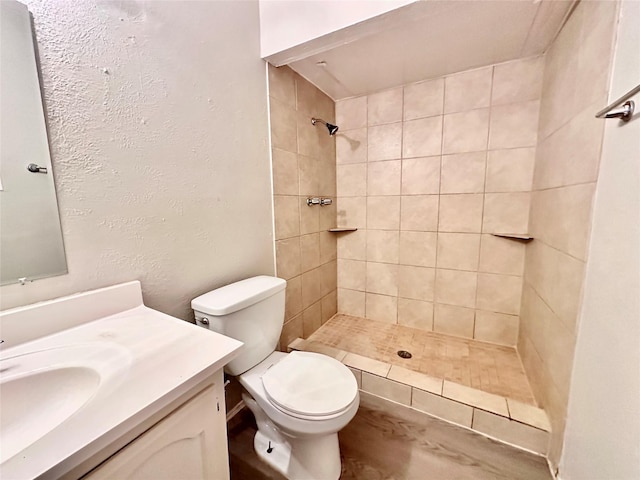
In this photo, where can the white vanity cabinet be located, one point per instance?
(188, 444)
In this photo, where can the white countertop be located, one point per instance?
(153, 360)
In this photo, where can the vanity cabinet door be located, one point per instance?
(189, 444)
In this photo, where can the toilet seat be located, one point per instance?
(310, 386)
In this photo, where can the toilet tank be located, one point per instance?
(251, 311)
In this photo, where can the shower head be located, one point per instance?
(332, 128)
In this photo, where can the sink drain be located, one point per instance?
(404, 354)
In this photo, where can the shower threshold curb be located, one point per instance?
(504, 419)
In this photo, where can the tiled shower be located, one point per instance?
(427, 172)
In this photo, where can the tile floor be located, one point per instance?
(483, 366)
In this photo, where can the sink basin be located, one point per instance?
(41, 389)
(46, 398)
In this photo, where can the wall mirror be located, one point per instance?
(31, 245)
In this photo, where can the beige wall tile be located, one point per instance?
(351, 146)
(463, 173)
(422, 138)
(461, 213)
(288, 260)
(442, 407)
(311, 287)
(281, 84)
(382, 278)
(571, 154)
(313, 102)
(313, 140)
(311, 319)
(496, 328)
(328, 247)
(424, 99)
(415, 313)
(453, 320)
(528, 414)
(468, 90)
(351, 302)
(352, 212)
(517, 81)
(506, 213)
(309, 217)
(385, 107)
(383, 246)
(458, 251)
(419, 213)
(327, 180)
(358, 374)
(455, 287)
(285, 172)
(283, 126)
(510, 170)
(510, 431)
(328, 213)
(293, 298)
(310, 251)
(415, 379)
(418, 248)
(351, 113)
(421, 176)
(594, 56)
(353, 245)
(287, 216)
(561, 217)
(476, 398)
(352, 274)
(329, 305)
(328, 277)
(501, 255)
(381, 307)
(383, 178)
(384, 142)
(499, 293)
(514, 125)
(383, 213)
(290, 331)
(366, 364)
(351, 180)
(465, 131)
(309, 173)
(558, 278)
(388, 389)
(416, 282)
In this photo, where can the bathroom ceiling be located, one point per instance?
(431, 38)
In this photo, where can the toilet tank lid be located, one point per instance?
(238, 295)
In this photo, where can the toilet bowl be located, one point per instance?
(301, 399)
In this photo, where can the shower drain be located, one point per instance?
(404, 354)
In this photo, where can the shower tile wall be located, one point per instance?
(303, 166)
(575, 86)
(427, 172)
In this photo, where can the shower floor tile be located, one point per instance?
(483, 366)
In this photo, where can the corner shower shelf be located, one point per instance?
(522, 237)
(342, 229)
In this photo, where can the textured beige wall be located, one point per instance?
(158, 129)
(304, 161)
(427, 172)
(575, 86)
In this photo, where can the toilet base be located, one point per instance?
(311, 458)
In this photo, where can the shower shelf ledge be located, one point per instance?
(522, 237)
(342, 229)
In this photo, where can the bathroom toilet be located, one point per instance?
(301, 399)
